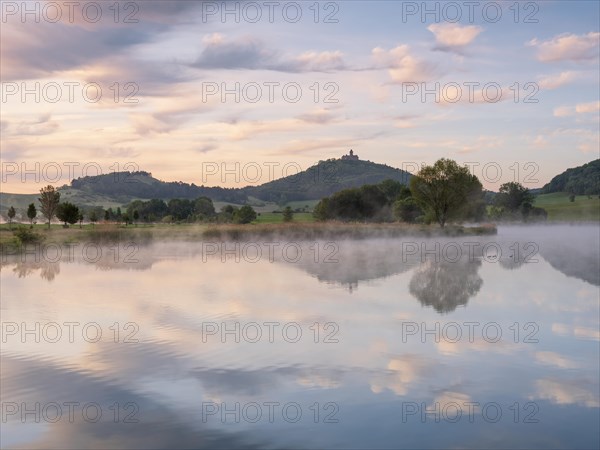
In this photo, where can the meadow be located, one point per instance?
(560, 208)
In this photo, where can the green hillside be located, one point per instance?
(559, 207)
(19, 201)
(324, 179)
(122, 187)
(582, 180)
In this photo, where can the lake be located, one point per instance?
(470, 342)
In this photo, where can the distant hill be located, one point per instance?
(320, 180)
(120, 188)
(125, 186)
(582, 180)
(326, 178)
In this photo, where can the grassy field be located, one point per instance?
(559, 207)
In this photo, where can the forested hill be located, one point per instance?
(127, 185)
(320, 180)
(326, 178)
(582, 180)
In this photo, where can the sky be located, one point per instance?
(240, 93)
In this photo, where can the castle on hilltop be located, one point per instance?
(350, 156)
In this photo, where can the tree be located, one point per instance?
(321, 211)
(49, 199)
(106, 215)
(288, 214)
(80, 217)
(11, 215)
(180, 209)
(31, 214)
(513, 196)
(126, 219)
(245, 214)
(444, 189)
(407, 210)
(67, 213)
(136, 216)
(93, 217)
(227, 213)
(204, 208)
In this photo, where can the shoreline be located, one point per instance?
(146, 233)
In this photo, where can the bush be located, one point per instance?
(27, 236)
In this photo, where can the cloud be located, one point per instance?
(452, 37)
(590, 107)
(584, 332)
(405, 121)
(319, 116)
(35, 50)
(253, 54)
(540, 141)
(401, 372)
(402, 66)
(567, 47)
(555, 81)
(43, 125)
(580, 108)
(554, 359)
(206, 148)
(567, 392)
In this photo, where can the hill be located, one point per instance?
(326, 178)
(582, 180)
(120, 188)
(126, 186)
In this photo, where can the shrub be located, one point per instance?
(27, 236)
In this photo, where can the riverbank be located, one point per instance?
(107, 233)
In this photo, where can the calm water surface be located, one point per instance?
(364, 344)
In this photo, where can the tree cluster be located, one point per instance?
(368, 203)
(515, 202)
(438, 193)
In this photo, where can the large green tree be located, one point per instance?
(67, 213)
(49, 199)
(445, 190)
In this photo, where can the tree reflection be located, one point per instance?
(48, 270)
(446, 285)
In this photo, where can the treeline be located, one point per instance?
(582, 180)
(178, 210)
(201, 209)
(437, 194)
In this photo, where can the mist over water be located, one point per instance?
(471, 342)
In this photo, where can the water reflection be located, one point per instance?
(47, 270)
(350, 263)
(446, 285)
(371, 372)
